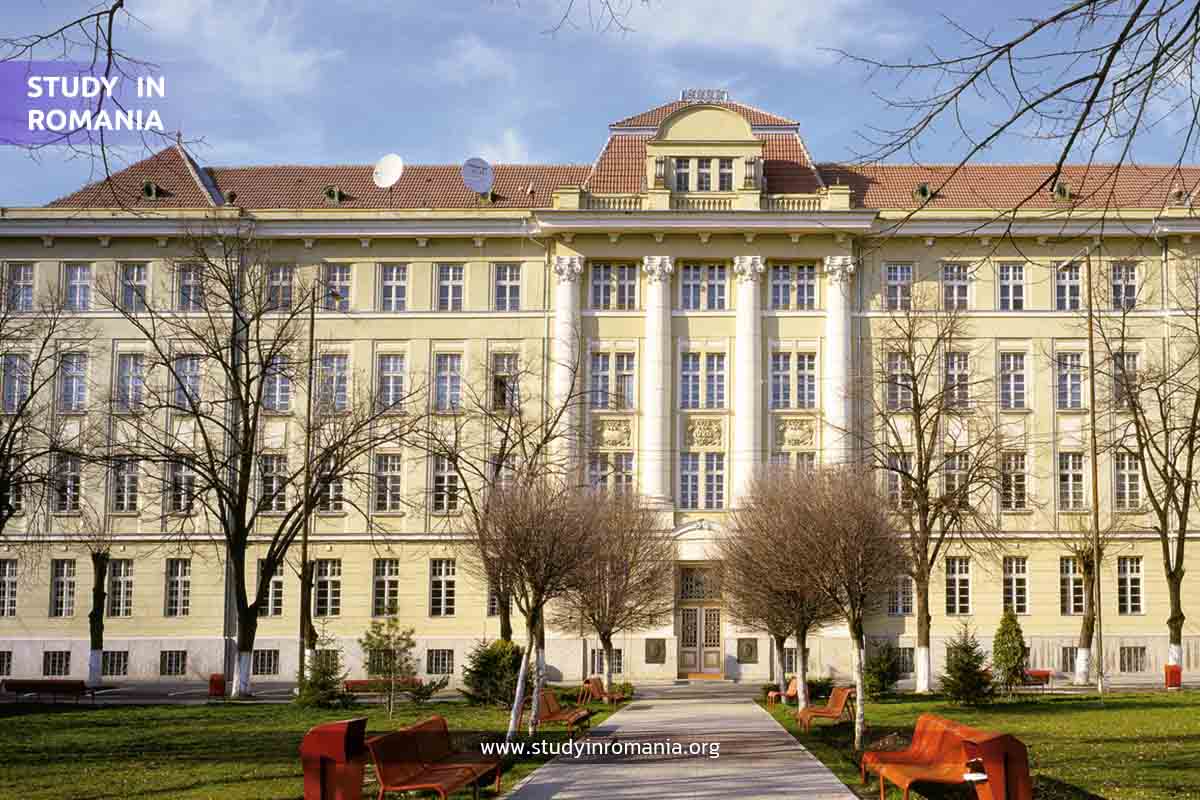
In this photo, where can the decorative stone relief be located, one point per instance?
(704, 433)
(795, 433)
(747, 651)
(568, 268)
(656, 651)
(613, 433)
(657, 268)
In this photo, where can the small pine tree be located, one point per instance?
(389, 648)
(325, 684)
(490, 674)
(882, 671)
(1009, 654)
(966, 680)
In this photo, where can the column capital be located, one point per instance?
(568, 268)
(657, 268)
(748, 268)
(840, 268)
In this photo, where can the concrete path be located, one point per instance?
(758, 758)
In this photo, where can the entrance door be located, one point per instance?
(710, 658)
(700, 640)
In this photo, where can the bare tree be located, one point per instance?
(761, 583)
(932, 431)
(1079, 586)
(841, 514)
(625, 585)
(205, 407)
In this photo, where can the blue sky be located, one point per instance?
(336, 81)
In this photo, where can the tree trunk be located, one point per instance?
(514, 717)
(308, 632)
(606, 641)
(539, 677)
(860, 690)
(802, 698)
(922, 662)
(96, 616)
(1087, 625)
(506, 629)
(246, 631)
(780, 646)
(1176, 620)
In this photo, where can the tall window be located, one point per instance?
(327, 587)
(68, 482)
(1125, 378)
(1129, 585)
(900, 598)
(957, 380)
(178, 597)
(689, 480)
(954, 479)
(614, 287)
(1070, 482)
(954, 287)
(1070, 586)
(793, 287)
(189, 288)
(125, 479)
(441, 587)
(273, 478)
(134, 287)
(72, 382)
(1124, 286)
(450, 287)
(334, 382)
(1012, 287)
(703, 287)
(600, 380)
(958, 585)
(280, 279)
(714, 480)
(12, 491)
(330, 497)
(899, 286)
(1016, 584)
(508, 287)
(20, 287)
(393, 287)
(1012, 380)
(273, 605)
(704, 174)
(79, 286)
(804, 378)
(1012, 482)
(1066, 287)
(506, 382)
(8, 587)
(683, 180)
(626, 380)
(781, 380)
(714, 380)
(182, 479)
(277, 386)
(611, 471)
(1070, 380)
(899, 481)
(337, 287)
(17, 382)
(62, 587)
(392, 372)
(725, 174)
(689, 380)
(388, 475)
(445, 486)
(1127, 481)
(900, 382)
(385, 592)
(187, 381)
(448, 372)
(781, 287)
(120, 587)
(131, 381)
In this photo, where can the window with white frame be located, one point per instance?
(330, 488)
(899, 481)
(334, 382)
(126, 480)
(1012, 287)
(172, 663)
(614, 287)
(448, 374)
(67, 483)
(327, 587)
(1124, 286)
(689, 380)
(898, 286)
(612, 380)
(781, 380)
(600, 380)
(955, 469)
(1070, 482)
(392, 372)
(62, 587)
(131, 381)
(273, 480)
(442, 580)
(689, 480)
(393, 287)
(624, 366)
(1012, 381)
(19, 295)
(1016, 584)
(134, 287)
(958, 585)
(956, 390)
(17, 381)
(695, 468)
(56, 663)
(618, 661)
(186, 381)
(714, 480)
(189, 289)
(793, 389)
(272, 605)
(900, 598)
(1124, 378)
(612, 472)
(1129, 585)
(793, 287)
(703, 287)
(72, 382)
(439, 661)
(954, 287)
(683, 179)
(1132, 658)
(79, 286)
(337, 287)
(1127, 481)
(120, 588)
(801, 460)
(1071, 587)
(900, 382)
(8, 587)
(12, 491)
(1070, 380)
(507, 292)
(388, 479)
(907, 657)
(280, 280)
(449, 287)
(181, 477)
(1066, 287)
(114, 663)
(725, 174)
(714, 380)
(385, 591)
(1013, 495)
(277, 386)
(704, 175)
(445, 486)
(178, 595)
(506, 382)
(264, 662)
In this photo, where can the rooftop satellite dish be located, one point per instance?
(388, 170)
(477, 175)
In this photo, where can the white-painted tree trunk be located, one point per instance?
(783, 679)
(514, 717)
(535, 707)
(802, 698)
(1083, 666)
(1174, 655)
(923, 666)
(95, 658)
(241, 677)
(859, 656)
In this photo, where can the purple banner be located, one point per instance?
(71, 103)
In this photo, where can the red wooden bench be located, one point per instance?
(549, 711)
(55, 687)
(377, 685)
(840, 706)
(793, 688)
(1038, 678)
(596, 691)
(421, 758)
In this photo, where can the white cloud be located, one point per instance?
(470, 59)
(510, 148)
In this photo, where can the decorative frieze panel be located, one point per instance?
(795, 432)
(612, 433)
(704, 433)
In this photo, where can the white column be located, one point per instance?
(747, 377)
(657, 379)
(566, 373)
(836, 369)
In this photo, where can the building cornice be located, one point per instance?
(552, 222)
(994, 228)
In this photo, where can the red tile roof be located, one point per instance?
(1001, 187)
(653, 117)
(786, 165)
(179, 183)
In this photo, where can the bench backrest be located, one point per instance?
(597, 687)
(793, 687)
(839, 697)
(396, 757)
(548, 702)
(433, 739)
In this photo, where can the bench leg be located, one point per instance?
(497, 779)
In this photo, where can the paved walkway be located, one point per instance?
(758, 758)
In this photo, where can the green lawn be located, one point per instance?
(214, 751)
(1141, 746)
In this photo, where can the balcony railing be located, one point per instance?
(683, 203)
(779, 202)
(611, 202)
